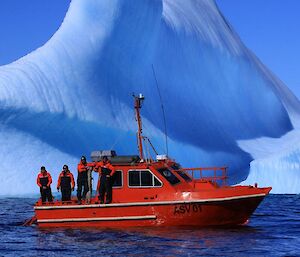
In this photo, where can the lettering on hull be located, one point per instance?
(181, 209)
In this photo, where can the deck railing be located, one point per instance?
(215, 174)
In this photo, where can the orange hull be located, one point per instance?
(229, 210)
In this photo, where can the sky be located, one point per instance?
(28, 24)
(269, 28)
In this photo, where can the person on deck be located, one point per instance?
(66, 183)
(82, 179)
(106, 171)
(44, 181)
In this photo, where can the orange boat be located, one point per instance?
(158, 192)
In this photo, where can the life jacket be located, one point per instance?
(82, 170)
(105, 168)
(65, 180)
(105, 171)
(44, 179)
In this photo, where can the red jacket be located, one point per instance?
(68, 175)
(83, 167)
(44, 179)
(106, 165)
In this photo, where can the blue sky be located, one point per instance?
(28, 24)
(270, 28)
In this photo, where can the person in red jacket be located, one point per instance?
(65, 183)
(82, 179)
(106, 171)
(44, 181)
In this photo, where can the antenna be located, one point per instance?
(137, 106)
(163, 110)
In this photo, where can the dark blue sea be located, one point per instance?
(274, 230)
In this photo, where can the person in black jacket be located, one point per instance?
(44, 181)
(106, 170)
(65, 183)
(82, 179)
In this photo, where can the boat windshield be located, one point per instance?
(180, 172)
(168, 175)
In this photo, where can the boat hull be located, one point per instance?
(204, 212)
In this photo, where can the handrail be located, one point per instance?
(193, 172)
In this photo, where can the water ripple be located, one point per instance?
(274, 230)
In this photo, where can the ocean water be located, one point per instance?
(273, 230)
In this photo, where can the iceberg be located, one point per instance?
(73, 95)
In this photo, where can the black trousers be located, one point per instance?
(66, 193)
(46, 194)
(82, 183)
(105, 188)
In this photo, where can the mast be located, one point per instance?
(137, 106)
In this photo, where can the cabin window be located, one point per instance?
(143, 178)
(146, 178)
(117, 179)
(157, 183)
(134, 178)
(184, 175)
(168, 175)
(181, 173)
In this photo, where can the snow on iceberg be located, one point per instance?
(73, 95)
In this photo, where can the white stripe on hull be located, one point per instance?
(147, 217)
(210, 200)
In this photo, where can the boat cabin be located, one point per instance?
(138, 181)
